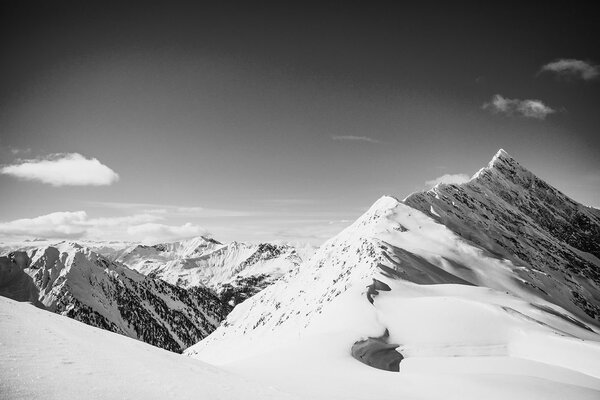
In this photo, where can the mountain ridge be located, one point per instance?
(410, 289)
(509, 211)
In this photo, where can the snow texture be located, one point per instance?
(48, 356)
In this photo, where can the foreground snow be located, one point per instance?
(48, 356)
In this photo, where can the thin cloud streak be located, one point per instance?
(171, 209)
(356, 139)
(288, 202)
(54, 225)
(78, 225)
(571, 68)
(68, 169)
(526, 108)
(16, 151)
(153, 232)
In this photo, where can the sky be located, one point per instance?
(268, 122)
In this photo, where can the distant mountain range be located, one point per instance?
(235, 270)
(181, 293)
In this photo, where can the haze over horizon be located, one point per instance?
(162, 121)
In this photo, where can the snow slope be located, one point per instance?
(48, 356)
(466, 321)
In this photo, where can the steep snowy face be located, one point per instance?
(240, 269)
(510, 212)
(75, 281)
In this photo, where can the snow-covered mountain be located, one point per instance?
(459, 310)
(110, 249)
(235, 270)
(74, 281)
(173, 295)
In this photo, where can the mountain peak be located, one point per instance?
(384, 203)
(68, 244)
(508, 210)
(502, 156)
(501, 153)
(501, 162)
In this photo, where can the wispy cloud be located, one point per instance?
(288, 201)
(55, 225)
(340, 221)
(16, 151)
(69, 169)
(78, 225)
(153, 232)
(526, 108)
(357, 138)
(448, 178)
(171, 209)
(571, 68)
(128, 220)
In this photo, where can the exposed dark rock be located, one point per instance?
(231, 294)
(376, 352)
(373, 289)
(14, 282)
